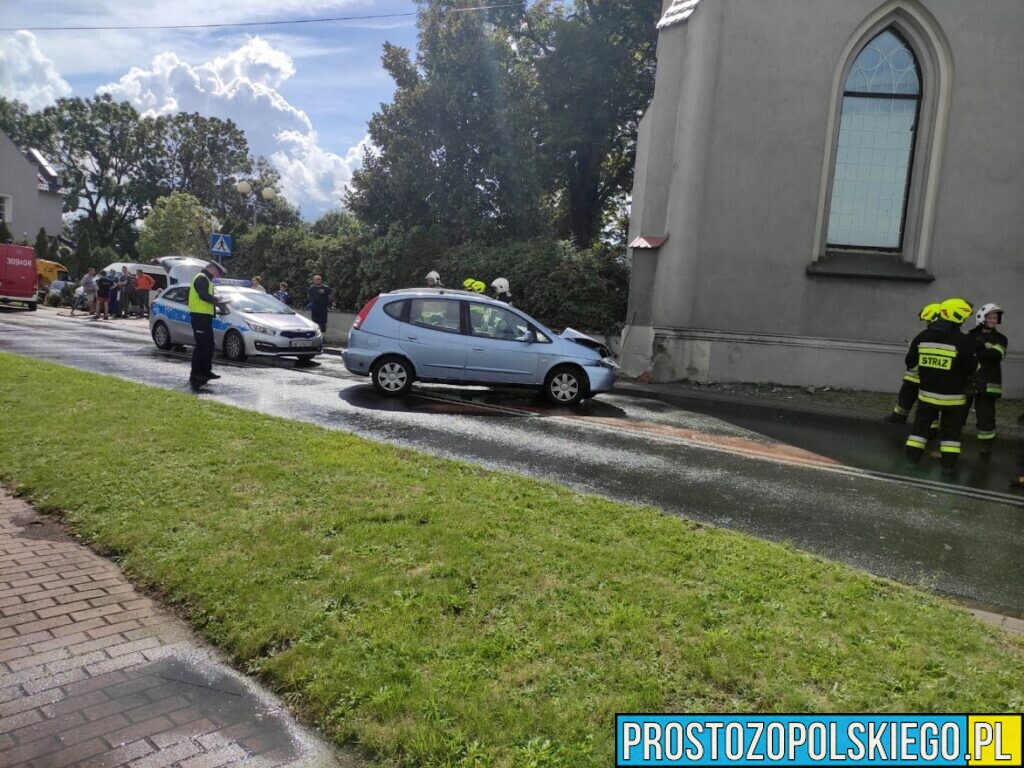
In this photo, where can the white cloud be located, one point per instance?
(26, 74)
(243, 86)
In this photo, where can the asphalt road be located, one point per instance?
(839, 492)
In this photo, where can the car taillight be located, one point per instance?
(364, 312)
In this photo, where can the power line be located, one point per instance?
(282, 22)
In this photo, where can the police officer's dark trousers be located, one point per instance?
(951, 421)
(202, 353)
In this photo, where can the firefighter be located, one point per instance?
(911, 381)
(990, 349)
(502, 290)
(945, 360)
(434, 280)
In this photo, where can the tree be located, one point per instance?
(199, 155)
(17, 122)
(178, 224)
(590, 105)
(455, 147)
(82, 258)
(42, 244)
(100, 146)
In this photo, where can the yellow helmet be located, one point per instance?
(956, 310)
(477, 286)
(931, 312)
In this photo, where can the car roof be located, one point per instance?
(454, 292)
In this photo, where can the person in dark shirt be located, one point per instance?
(318, 298)
(104, 285)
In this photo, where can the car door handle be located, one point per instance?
(411, 338)
(479, 349)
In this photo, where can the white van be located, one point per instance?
(158, 273)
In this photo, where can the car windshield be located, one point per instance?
(255, 303)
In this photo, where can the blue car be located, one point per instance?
(457, 337)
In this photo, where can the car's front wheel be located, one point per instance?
(392, 376)
(565, 385)
(162, 336)
(234, 347)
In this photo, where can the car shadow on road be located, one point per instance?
(486, 403)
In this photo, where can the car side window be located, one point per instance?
(496, 323)
(438, 314)
(178, 295)
(394, 309)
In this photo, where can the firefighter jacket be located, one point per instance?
(946, 362)
(989, 379)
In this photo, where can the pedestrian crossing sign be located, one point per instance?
(220, 245)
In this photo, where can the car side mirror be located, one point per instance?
(530, 337)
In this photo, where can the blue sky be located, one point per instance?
(302, 93)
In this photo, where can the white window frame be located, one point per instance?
(6, 201)
(934, 55)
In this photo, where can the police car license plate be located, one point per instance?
(303, 343)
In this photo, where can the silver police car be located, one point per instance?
(250, 323)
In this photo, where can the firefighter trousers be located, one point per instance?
(906, 398)
(985, 413)
(951, 423)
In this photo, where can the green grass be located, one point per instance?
(439, 614)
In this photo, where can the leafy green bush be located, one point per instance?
(52, 300)
(559, 284)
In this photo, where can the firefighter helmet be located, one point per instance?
(956, 310)
(476, 286)
(433, 277)
(500, 285)
(988, 309)
(931, 312)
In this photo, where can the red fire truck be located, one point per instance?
(18, 275)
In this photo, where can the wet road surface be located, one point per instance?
(840, 492)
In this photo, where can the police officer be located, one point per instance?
(911, 380)
(502, 291)
(202, 306)
(945, 360)
(990, 347)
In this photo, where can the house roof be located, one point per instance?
(648, 242)
(47, 179)
(678, 12)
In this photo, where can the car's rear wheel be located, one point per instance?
(234, 347)
(392, 376)
(162, 336)
(565, 385)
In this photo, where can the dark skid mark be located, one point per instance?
(40, 528)
(198, 698)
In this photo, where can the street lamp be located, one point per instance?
(252, 201)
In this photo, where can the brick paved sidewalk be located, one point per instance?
(94, 675)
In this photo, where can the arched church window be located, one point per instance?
(875, 153)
